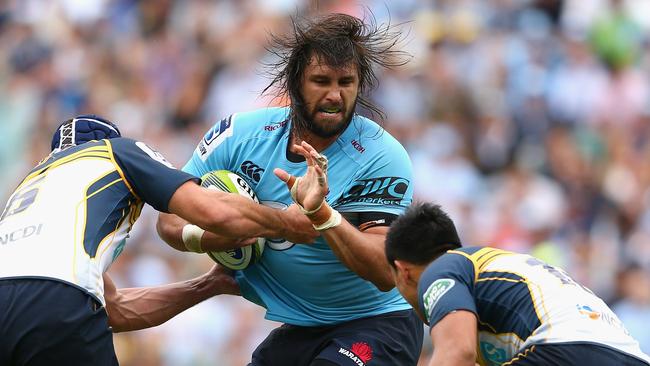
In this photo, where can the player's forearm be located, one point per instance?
(140, 308)
(170, 229)
(248, 219)
(451, 358)
(226, 214)
(241, 218)
(361, 252)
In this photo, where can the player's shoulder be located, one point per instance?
(373, 134)
(366, 140)
(127, 151)
(260, 121)
(459, 257)
(450, 269)
(242, 126)
(261, 115)
(124, 145)
(120, 143)
(456, 263)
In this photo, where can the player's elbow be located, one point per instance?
(455, 357)
(383, 284)
(169, 228)
(118, 324)
(453, 352)
(164, 227)
(385, 287)
(463, 358)
(121, 323)
(116, 319)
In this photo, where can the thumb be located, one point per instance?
(289, 179)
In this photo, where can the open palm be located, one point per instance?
(310, 190)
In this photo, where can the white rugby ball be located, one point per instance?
(228, 181)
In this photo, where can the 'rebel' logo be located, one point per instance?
(382, 190)
(252, 170)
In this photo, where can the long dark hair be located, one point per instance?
(337, 40)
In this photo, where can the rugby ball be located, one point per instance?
(228, 181)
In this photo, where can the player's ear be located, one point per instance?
(404, 271)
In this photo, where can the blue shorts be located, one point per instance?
(388, 340)
(46, 322)
(573, 354)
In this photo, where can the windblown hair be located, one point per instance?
(336, 40)
(420, 235)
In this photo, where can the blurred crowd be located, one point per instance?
(528, 120)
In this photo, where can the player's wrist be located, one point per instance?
(325, 217)
(192, 236)
(310, 212)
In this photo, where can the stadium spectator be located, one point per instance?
(336, 298)
(522, 310)
(633, 307)
(68, 220)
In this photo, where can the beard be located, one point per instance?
(307, 120)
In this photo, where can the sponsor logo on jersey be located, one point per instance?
(22, 233)
(608, 317)
(493, 354)
(278, 244)
(360, 353)
(118, 250)
(358, 146)
(214, 137)
(433, 294)
(275, 126)
(382, 190)
(589, 312)
(155, 155)
(252, 170)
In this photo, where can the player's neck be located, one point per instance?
(316, 142)
(416, 272)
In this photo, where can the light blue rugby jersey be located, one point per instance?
(369, 171)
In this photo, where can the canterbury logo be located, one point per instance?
(252, 170)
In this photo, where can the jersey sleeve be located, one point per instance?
(383, 185)
(212, 152)
(147, 172)
(445, 286)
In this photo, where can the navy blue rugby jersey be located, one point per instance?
(519, 301)
(69, 218)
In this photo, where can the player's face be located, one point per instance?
(330, 96)
(406, 287)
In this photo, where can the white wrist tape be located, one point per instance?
(333, 221)
(192, 235)
(294, 192)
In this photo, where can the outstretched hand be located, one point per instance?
(308, 191)
(222, 281)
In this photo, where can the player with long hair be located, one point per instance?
(335, 297)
